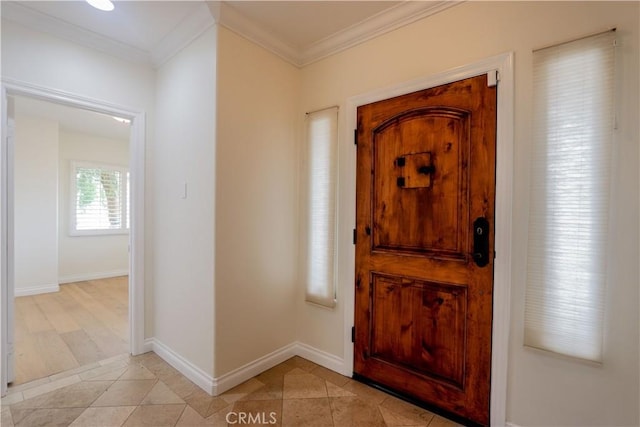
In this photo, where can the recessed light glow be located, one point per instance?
(105, 5)
(121, 120)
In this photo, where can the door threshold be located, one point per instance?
(424, 405)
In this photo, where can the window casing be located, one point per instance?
(99, 199)
(569, 199)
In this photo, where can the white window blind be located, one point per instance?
(99, 199)
(569, 205)
(322, 157)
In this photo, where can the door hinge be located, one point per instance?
(353, 334)
(355, 137)
(355, 237)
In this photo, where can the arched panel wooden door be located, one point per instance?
(424, 252)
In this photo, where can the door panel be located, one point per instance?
(425, 173)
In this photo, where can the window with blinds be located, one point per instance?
(321, 180)
(99, 199)
(573, 86)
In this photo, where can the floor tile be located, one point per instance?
(155, 416)
(79, 395)
(30, 384)
(261, 412)
(368, 394)
(306, 412)
(77, 370)
(335, 391)
(299, 362)
(269, 391)
(179, 384)
(125, 393)
(6, 420)
(160, 394)
(190, 418)
(112, 371)
(126, 390)
(240, 391)
(203, 403)
(12, 398)
(354, 412)
(401, 413)
(50, 417)
(137, 372)
(50, 386)
(103, 417)
(303, 386)
(438, 421)
(19, 414)
(331, 376)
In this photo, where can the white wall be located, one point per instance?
(87, 257)
(256, 203)
(43, 60)
(542, 389)
(36, 206)
(184, 152)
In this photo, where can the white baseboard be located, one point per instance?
(508, 424)
(35, 290)
(238, 376)
(185, 367)
(92, 276)
(322, 358)
(219, 385)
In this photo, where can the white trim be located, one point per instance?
(137, 177)
(83, 277)
(238, 376)
(503, 212)
(31, 18)
(192, 26)
(383, 22)
(217, 386)
(231, 19)
(184, 366)
(509, 424)
(36, 290)
(322, 358)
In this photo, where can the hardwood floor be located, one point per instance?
(84, 322)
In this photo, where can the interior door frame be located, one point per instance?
(499, 68)
(11, 87)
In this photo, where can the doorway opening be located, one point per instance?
(72, 267)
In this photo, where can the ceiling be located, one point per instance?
(73, 119)
(301, 31)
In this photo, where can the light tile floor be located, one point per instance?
(146, 391)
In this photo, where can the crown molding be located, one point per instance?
(210, 12)
(374, 26)
(190, 28)
(233, 20)
(383, 22)
(17, 12)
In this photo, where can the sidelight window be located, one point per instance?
(320, 226)
(573, 116)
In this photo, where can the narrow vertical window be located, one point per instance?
(322, 156)
(569, 206)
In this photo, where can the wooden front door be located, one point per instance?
(424, 245)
